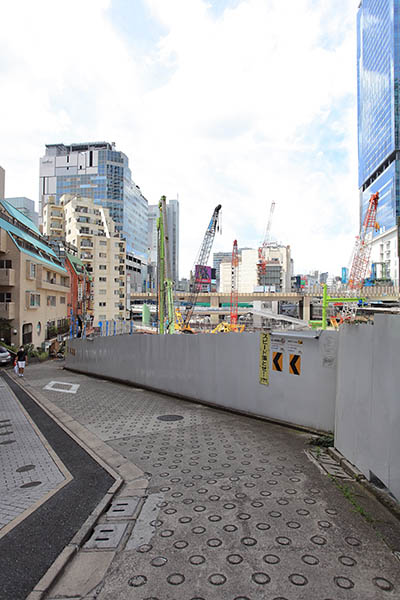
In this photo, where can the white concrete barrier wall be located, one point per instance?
(367, 429)
(222, 370)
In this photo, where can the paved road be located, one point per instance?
(234, 508)
(39, 452)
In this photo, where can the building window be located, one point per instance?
(102, 255)
(102, 278)
(5, 264)
(51, 300)
(5, 296)
(102, 267)
(102, 292)
(38, 328)
(34, 300)
(62, 299)
(64, 281)
(102, 304)
(102, 243)
(32, 270)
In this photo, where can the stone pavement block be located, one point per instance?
(82, 575)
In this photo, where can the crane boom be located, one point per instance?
(234, 283)
(201, 261)
(262, 261)
(362, 250)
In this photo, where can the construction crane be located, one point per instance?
(166, 315)
(234, 283)
(361, 257)
(362, 249)
(200, 264)
(262, 259)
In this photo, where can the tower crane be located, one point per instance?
(234, 283)
(262, 260)
(200, 263)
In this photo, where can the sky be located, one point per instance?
(232, 102)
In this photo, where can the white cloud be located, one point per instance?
(236, 110)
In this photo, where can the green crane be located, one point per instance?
(166, 315)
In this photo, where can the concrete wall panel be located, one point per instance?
(222, 370)
(368, 400)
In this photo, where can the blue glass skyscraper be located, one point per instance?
(378, 66)
(98, 171)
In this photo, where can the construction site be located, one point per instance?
(255, 288)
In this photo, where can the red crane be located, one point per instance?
(234, 283)
(362, 249)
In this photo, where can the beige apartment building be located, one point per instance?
(278, 274)
(33, 283)
(90, 228)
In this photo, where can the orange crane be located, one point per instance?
(234, 283)
(362, 249)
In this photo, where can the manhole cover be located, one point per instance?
(169, 418)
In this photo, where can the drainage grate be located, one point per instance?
(25, 468)
(123, 507)
(169, 418)
(106, 536)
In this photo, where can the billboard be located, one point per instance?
(202, 274)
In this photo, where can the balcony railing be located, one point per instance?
(7, 277)
(7, 310)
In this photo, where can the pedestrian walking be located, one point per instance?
(21, 361)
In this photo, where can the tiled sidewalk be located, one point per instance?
(29, 470)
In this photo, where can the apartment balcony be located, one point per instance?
(7, 310)
(56, 226)
(42, 282)
(86, 244)
(56, 215)
(86, 256)
(7, 277)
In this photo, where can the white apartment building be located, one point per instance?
(90, 228)
(384, 251)
(278, 270)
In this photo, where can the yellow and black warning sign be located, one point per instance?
(295, 364)
(265, 345)
(277, 361)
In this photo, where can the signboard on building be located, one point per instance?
(203, 274)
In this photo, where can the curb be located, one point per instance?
(111, 461)
(382, 497)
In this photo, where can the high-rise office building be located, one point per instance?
(378, 70)
(173, 235)
(26, 206)
(98, 171)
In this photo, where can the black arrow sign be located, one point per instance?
(277, 361)
(294, 364)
